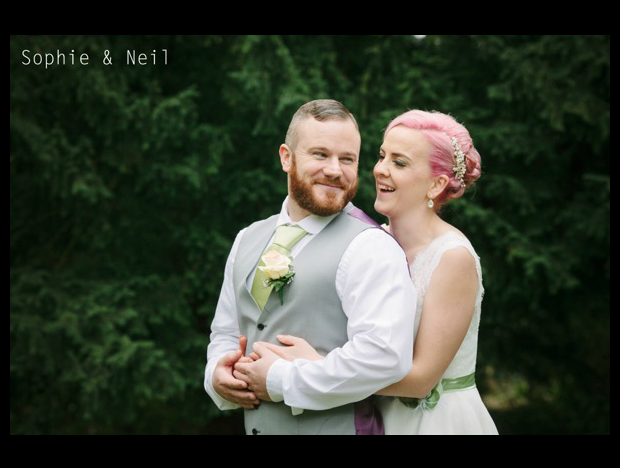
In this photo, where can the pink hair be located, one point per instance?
(438, 129)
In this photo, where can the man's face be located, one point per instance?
(324, 164)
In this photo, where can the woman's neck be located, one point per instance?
(414, 230)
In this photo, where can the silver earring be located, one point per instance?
(430, 203)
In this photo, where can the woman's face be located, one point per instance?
(404, 166)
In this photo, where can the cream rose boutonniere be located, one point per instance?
(279, 270)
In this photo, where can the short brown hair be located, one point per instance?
(321, 110)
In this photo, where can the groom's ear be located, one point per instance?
(286, 158)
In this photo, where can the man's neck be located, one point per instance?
(295, 212)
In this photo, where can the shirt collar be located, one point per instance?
(312, 224)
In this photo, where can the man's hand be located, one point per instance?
(227, 386)
(254, 374)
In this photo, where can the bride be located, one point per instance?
(426, 159)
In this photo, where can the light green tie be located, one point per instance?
(285, 239)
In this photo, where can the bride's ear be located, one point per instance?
(286, 155)
(438, 185)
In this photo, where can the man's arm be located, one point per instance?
(223, 351)
(379, 300)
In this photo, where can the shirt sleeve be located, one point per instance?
(379, 300)
(225, 331)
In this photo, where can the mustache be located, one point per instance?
(330, 183)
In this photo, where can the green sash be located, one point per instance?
(444, 386)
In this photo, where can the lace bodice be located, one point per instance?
(422, 269)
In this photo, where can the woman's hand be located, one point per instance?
(295, 348)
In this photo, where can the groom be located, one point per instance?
(350, 297)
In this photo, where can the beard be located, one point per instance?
(303, 193)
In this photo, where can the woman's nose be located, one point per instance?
(381, 170)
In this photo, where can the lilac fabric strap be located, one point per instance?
(359, 214)
(368, 419)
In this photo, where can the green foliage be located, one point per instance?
(129, 183)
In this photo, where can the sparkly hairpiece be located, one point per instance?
(459, 168)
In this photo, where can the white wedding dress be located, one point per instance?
(459, 408)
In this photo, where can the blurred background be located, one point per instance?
(128, 184)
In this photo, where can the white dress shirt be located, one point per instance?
(379, 300)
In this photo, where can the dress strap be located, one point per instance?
(432, 256)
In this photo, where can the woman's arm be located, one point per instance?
(446, 316)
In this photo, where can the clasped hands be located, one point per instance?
(242, 379)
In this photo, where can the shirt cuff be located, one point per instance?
(220, 402)
(275, 376)
(279, 371)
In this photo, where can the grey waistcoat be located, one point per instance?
(312, 310)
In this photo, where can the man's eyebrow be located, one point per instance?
(326, 150)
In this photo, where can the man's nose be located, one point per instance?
(332, 168)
